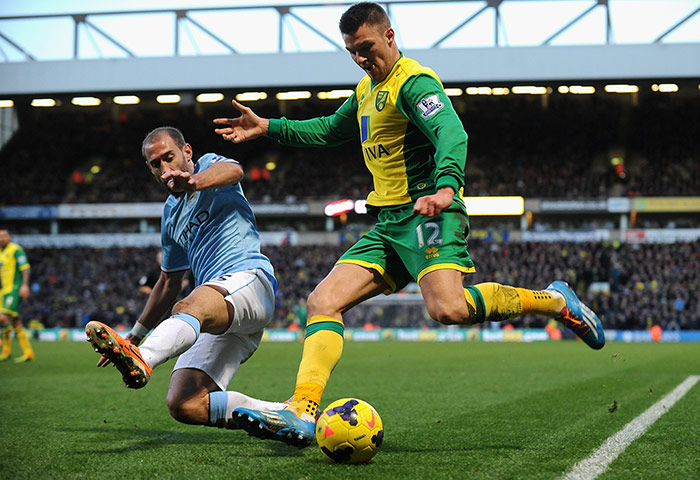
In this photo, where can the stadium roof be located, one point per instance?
(296, 44)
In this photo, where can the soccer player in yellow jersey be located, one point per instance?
(14, 284)
(415, 146)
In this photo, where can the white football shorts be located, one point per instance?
(253, 298)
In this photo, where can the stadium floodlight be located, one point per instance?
(339, 207)
(621, 88)
(43, 102)
(209, 97)
(334, 94)
(361, 207)
(168, 98)
(251, 96)
(453, 92)
(577, 89)
(6, 103)
(126, 100)
(500, 91)
(478, 90)
(582, 89)
(514, 205)
(664, 87)
(530, 90)
(86, 101)
(293, 95)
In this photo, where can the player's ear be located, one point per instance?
(390, 35)
(187, 149)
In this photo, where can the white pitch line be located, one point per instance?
(600, 460)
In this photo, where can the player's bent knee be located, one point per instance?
(320, 304)
(450, 316)
(192, 411)
(182, 305)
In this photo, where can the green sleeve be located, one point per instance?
(424, 102)
(21, 259)
(332, 130)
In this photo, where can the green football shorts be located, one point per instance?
(404, 247)
(10, 303)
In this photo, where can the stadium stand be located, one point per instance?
(517, 147)
(632, 286)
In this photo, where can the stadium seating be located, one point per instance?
(630, 286)
(516, 147)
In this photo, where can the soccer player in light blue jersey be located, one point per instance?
(207, 226)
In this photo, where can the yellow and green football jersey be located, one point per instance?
(13, 260)
(413, 142)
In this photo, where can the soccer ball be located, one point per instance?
(349, 431)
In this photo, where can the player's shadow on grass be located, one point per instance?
(135, 439)
(394, 449)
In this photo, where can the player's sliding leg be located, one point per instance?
(346, 285)
(222, 405)
(204, 309)
(173, 336)
(122, 353)
(194, 398)
(170, 338)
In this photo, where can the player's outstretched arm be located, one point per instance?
(246, 127)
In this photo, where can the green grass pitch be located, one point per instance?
(450, 410)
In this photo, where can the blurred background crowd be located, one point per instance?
(630, 286)
(515, 148)
(559, 149)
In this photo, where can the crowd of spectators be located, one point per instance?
(516, 147)
(520, 145)
(631, 286)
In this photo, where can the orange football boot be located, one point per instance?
(121, 352)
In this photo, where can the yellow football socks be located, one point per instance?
(495, 302)
(323, 347)
(7, 340)
(23, 339)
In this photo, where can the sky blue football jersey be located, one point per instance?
(211, 231)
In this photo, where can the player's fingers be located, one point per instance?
(223, 131)
(104, 361)
(239, 106)
(223, 121)
(227, 130)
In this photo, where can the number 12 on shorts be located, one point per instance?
(432, 231)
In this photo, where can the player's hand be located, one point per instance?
(246, 127)
(24, 291)
(433, 205)
(179, 181)
(104, 359)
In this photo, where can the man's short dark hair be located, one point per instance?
(173, 132)
(360, 13)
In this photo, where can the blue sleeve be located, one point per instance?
(174, 258)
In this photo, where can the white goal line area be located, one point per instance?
(600, 460)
